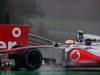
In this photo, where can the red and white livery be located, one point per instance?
(79, 54)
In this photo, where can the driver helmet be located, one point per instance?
(80, 32)
(70, 41)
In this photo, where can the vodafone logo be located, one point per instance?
(16, 32)
(74, 55)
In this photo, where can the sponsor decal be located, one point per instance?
(74, 55)
(10, 44)
(16, 32)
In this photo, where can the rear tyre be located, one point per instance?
(32, 59)
(29, 59)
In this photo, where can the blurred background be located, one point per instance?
(56, 20)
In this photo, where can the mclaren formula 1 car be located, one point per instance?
(19, 57)
(82, 54)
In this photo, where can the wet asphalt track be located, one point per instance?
(55, 70)
(52, 69)
(58, 68)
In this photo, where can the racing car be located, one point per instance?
(83, 54)
(15, 51)
(19, 57)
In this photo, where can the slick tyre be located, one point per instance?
(32, 59)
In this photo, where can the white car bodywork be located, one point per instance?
(94, 48)
(93, 37)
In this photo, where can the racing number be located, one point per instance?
(74, 55)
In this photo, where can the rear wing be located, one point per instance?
(11, 35)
